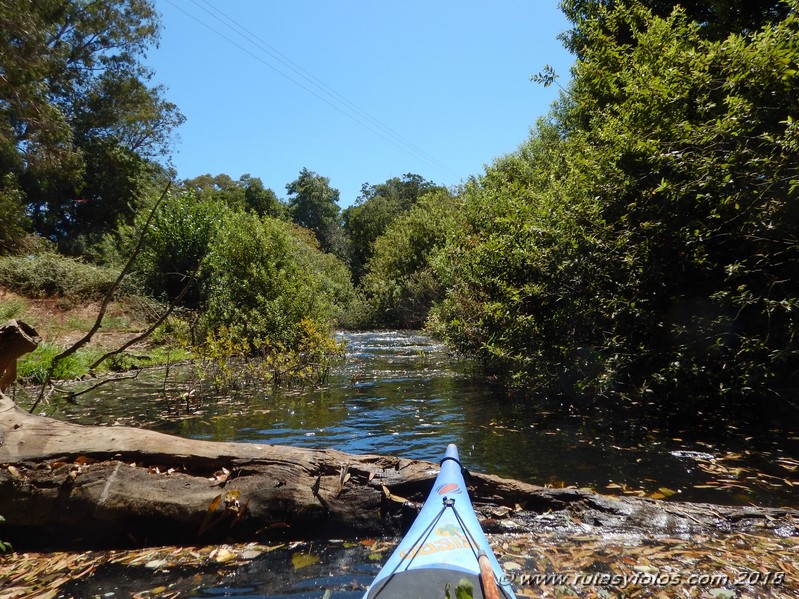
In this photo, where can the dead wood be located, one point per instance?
(16, 339)
(68, 485)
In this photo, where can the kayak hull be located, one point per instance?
(441, 549)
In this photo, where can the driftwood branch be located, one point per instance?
(71, 395)
(191, 279)
(66, 485)
(106, 299)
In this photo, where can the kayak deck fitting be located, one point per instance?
(443, 548)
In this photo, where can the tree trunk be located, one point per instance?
(16, 339)
(71, 486)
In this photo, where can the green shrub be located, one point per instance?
(49, 275)
(229, 363)
(177, 242)
(401, 285)
(261, 281)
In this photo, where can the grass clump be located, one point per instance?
(34, 367)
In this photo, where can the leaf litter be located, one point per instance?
(649, 566)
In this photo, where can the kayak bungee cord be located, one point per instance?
(443, 549)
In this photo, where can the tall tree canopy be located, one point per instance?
(313, 204)
(376, 207)
(247, 193)
(79, 123)
(716, 18)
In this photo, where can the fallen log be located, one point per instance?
(70, 486)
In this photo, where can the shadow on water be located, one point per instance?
(403, 394)
(334, 570)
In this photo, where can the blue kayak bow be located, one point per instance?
(444, 548)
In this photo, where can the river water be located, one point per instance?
(402, 393)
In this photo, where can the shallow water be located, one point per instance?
(404, 394)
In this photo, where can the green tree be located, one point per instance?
(400, 283)
(313, 204)
(716, 18)
(373, 211)
(646, 241)
(247, 193)
(74, 97)
(261, 200)
(13, 220)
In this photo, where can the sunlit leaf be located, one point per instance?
(303, 560)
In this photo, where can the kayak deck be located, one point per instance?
(441, 548)
(424, 582)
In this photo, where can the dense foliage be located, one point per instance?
(645, 239)
(313, 204)
(53, 275)
(79, 123)
(262, 281)
(375, 209)
(400, 285)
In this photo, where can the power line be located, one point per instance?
(334, 99)
(316, 82)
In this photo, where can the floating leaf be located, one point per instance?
(220, 477)
(303, 560)
(667, 492)
(222, 555)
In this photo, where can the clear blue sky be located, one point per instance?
(355, 90)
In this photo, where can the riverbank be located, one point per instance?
(60, 322)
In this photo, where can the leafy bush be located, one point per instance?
(263, 280)
(400, 284)
(48, 275)
(229, 363)
(644, 240)
(178, 241)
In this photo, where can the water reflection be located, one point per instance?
(403, 394)
(337, 570)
